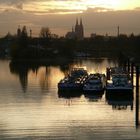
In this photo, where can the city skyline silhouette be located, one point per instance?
(99, 17)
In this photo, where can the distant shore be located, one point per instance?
(60, 50)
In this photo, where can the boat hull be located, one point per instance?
(119, 90)
(69, 94)
(70, 87)
(93, 91)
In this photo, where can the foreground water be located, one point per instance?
(32, 109)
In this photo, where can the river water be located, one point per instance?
(32, 109)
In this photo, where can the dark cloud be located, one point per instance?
(12, 2)
(18, 4)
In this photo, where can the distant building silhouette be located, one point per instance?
(79, 29)
(30, 33)
(18, 32)
(22, 32)
(93, 35)
(78, 33)
(71, 35)
(118, 28)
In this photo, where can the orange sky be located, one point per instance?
(96, 13)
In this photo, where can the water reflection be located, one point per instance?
(96, 65)
(94, 97)
(32, 108)
(69, 94)
(24, 70)
(21, 70)
(120, 101)
(43, 73)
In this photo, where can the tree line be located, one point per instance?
(49, 45)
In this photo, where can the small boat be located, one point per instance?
(120, 82)
(74, 81)
(94, 83)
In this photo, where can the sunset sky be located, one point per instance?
(99, 16)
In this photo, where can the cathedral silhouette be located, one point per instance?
(77, 32)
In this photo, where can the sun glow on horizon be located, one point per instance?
(42, 7)
(56, 7)
(79, 6)
(115, 4)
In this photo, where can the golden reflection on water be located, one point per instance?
(38, 111)
(46, 77)
(96, 65)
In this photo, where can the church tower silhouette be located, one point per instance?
(79, 30)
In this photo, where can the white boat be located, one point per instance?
(94, 83)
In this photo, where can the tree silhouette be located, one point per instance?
(45, 32)
(23, 40)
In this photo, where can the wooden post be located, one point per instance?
(128, 67)
(132, 72)
(137, 96)
(108, 73)
(125, 65)
(137, 79)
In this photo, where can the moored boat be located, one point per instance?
(94, 83)
(120, 82)
(74, 81)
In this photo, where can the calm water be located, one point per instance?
(32, 109)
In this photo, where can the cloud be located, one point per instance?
(59, 6)
(54, 11)
(137, 9)
(19, 6)
(42, 6)
(12, 2)
(11, 5)
(98, 9)
(36, 13)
